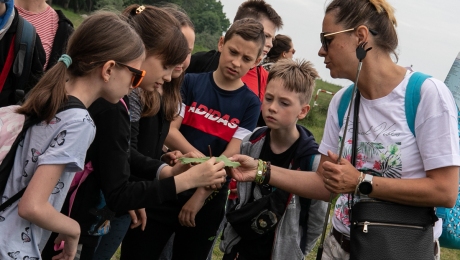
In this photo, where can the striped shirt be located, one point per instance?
(46, 24)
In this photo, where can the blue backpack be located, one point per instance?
(450, 237)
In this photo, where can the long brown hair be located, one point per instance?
(172, 98)
(281, 43)
(162, 37)
(96, 39)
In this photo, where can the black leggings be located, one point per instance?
(189, 242)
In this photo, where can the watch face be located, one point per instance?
(365, 188)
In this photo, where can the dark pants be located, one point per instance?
(189, 242)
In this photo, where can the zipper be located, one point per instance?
(365, 225)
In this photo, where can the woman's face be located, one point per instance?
(340, 56)
(290, 53)
(189, 34)
(156, 73)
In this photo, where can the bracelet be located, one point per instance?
(360, 179)
(267, 173)
(260, 172)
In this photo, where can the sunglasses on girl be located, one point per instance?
(138, 75)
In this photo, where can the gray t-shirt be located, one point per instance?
(64, 140)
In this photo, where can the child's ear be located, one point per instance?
(258, 61)
(304, 111)
(107, 70)
(220, 45)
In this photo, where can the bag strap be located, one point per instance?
(343, 104)
(84, 174)
(412, 98)
(8, 162)
(24, 45)
(258, 68)
(7, 66)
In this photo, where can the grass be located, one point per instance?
(75, 18)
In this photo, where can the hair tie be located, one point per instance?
(140, 9)
(66, 60)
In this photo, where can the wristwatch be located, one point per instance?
(365, 187)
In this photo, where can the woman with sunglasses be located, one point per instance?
(54, 148)
(283, 48)
(110, 154)
(392, 163)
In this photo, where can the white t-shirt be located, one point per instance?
(387, 147)
(64, 140)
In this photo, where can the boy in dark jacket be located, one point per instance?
(288, 145)
(13, 74)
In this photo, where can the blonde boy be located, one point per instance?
(288, 145)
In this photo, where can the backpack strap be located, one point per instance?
(7, 66)
(8, 162)
(412, 98)
(24, 47)
(344, 102)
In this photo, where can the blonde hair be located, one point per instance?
(298, 75)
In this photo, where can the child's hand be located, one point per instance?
(171, 157)
(189, 211)
(248, 169)
(70, 247)
(208, 173)
(139, 218)
(179, 168)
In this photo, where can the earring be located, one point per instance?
(106, 80)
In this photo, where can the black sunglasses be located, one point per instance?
(138, 75)
(326, 42)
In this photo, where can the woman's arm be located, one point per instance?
(438, 188)
(304, 184)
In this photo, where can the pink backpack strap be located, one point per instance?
(124, 103)
(78, 179)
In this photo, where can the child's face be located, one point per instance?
(269, 31)
(189, 34)
(156, 73)
(118, 79)
(237, 57)
(282, 108)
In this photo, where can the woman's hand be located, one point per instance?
(138, 218)
(247, 170)
(339, 178)
(70, 246)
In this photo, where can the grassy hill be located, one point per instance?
(314, 121)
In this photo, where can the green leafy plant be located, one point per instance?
(221, 158)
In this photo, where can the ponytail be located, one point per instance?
(48, 95)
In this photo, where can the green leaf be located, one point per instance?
(221, 158)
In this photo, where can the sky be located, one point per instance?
(428, 32)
